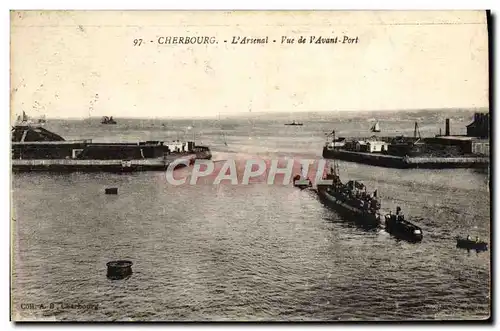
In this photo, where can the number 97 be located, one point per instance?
(137, 42)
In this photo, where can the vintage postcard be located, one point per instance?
(250, 166)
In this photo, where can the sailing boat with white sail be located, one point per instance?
(375, 127)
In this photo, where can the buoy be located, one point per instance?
(119, 269)
(111, 190)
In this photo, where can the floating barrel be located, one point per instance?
(119, 269)
(111, 190)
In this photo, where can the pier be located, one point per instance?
(440, 151)
(37, 149)
(76, 165)
(392, 161)
(79, 165)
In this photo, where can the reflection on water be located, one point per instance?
(256, 252)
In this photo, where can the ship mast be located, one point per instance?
(194, 132)
(223, 134)
(416, 131)
(335, 165)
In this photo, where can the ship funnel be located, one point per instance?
(447, 127)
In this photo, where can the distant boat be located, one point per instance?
(108, 120)
(222, 132)
(375, 127)
(401, 228)
(468, 243)
(24, 120)
(294, 123)
(42, 120)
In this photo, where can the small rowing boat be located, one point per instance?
(469, 243)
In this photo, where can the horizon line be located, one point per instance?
(251, 113)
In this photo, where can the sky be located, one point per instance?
(71, 64)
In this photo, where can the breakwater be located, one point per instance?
(82, 165)
(391, 161)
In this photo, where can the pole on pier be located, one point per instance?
(192, 126)
(416, 131)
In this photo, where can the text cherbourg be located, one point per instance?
(248, 40)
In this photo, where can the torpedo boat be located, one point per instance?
(400, 228)
(350, 200)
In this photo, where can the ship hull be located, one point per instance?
(471, 245)
(347, 211)
(403, 232)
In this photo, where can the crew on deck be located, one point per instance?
(399, 215)
(469, 238)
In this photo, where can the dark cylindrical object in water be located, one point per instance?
(447, 128)
(119, 269)
(111, 190)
